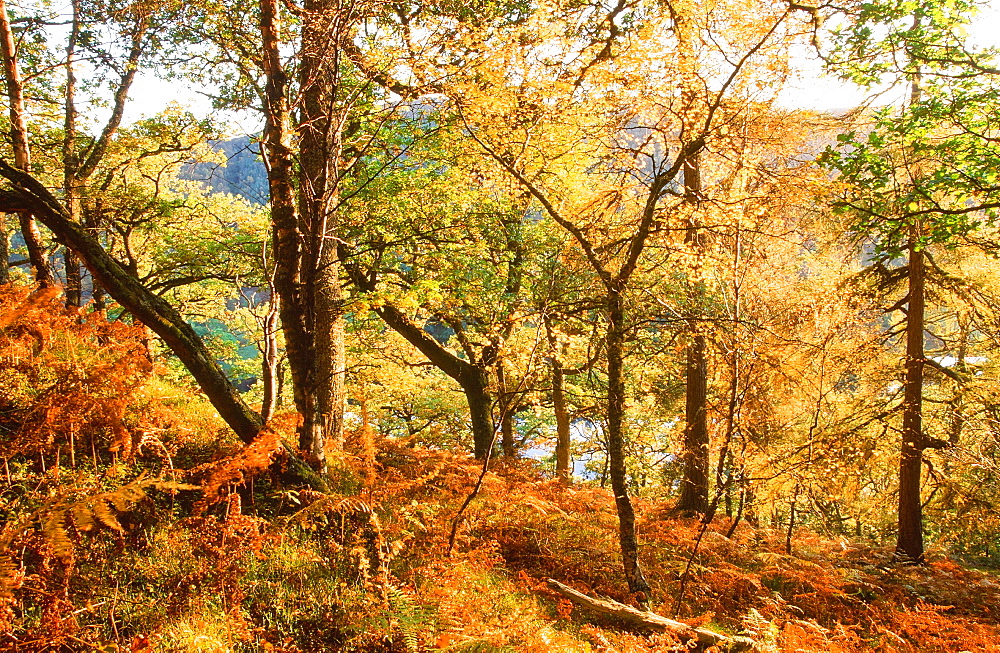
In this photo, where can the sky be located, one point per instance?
(812, 90)
(817, 91)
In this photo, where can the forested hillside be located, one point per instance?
(241, 171)
(520, 326)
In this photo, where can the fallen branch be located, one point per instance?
(651, 621)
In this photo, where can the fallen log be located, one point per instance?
(651, 621)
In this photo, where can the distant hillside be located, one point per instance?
(243, 173)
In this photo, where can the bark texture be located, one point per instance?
(559, 406)
(563, 470)
(320, 145)
(4, 251)
(615, 344)
(694, 485)
(644, 620)
(307, 275)
(508, 406)
(910, 540)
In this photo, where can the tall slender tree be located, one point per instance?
(646, 154)
(19, 143)
(902, 185)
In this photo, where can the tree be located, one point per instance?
(902, 185)
(626, 137)
(454, 282)
(338, 119)
(22, 153)
(27, 194)
(80, 160)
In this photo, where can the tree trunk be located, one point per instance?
(92, 219)
(71, 184)
(961, 367)
(306, 278)
(74, 282)
(4, 251)
(313, 126)
(148, 307)
(475, 384)
(563, 470)
(694, 486)
(19, 144)
(269, 360)
(616, 443)
(473, 378)
(646, 621)
(507, 408)
(331, 363)
(910, 536)
(286, 246)
(910, 542)
(36, 250)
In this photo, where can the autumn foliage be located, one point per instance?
(70, 379)
(107, 545)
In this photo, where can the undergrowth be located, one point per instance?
(134, 522)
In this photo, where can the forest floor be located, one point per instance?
(826, 595)
(132, 520)
(368, 569)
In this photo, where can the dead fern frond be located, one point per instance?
(353, 506)
(126, 496)
(100, 510)
(54, 530)
(37, 300)
(83, 517)
(103, 515)
(354, 527)
(69, 381)
(309, 516)
(8, 576)
(60, 520)
(253, 458)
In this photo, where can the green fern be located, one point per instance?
(407, 615)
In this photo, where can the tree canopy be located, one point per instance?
(594, 236)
